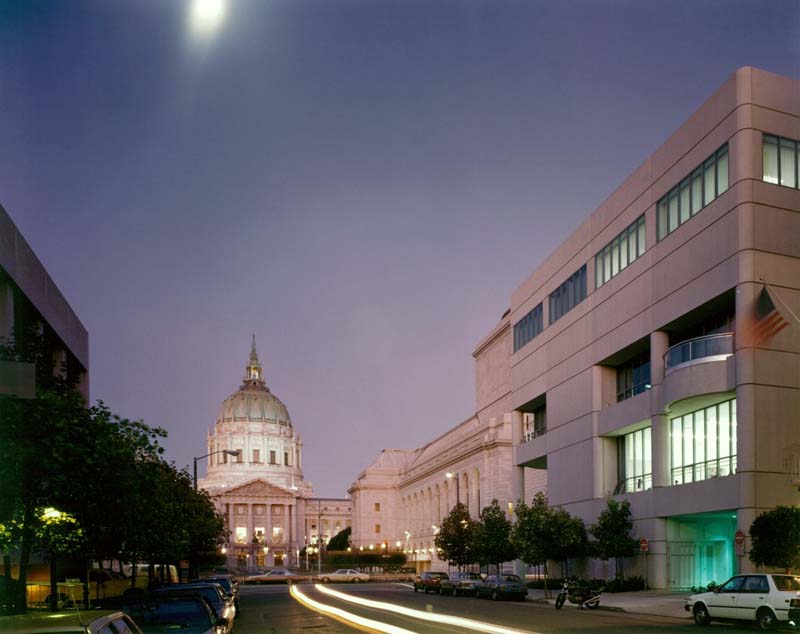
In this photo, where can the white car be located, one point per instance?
(770, 600)
(278, 575)
(345, 574)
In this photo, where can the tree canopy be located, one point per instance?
(341, 540)
(493, 537)
(775, 538)
(455, 539)
(612, 534)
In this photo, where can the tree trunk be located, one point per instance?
(134, 568)
(24, 559)
(546, 591)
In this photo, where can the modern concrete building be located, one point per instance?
(33, 310)
(255, 477)
(650, 361)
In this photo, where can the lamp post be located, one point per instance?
(229, 452)
(450, 475)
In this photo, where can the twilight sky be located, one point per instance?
(361, 183)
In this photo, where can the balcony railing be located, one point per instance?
(699, 350)
(632, 485)
(718, 468)
(534, 431)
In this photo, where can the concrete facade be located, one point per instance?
(399, 501)
(686, 305)
(31, 305)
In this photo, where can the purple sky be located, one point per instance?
(360, 183)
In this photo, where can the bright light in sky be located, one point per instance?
(205, 17)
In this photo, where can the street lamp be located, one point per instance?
(450, 475)
(229, 452)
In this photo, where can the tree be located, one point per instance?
(341, 540)
(612, 534)
(455, 540)
(493, 537)
(775, 538)
(531, 533)
(544, 533)
(568, 539)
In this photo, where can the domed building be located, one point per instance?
(255, 477)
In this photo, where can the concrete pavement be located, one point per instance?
(657, 603)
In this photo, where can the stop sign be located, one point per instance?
(644, 545)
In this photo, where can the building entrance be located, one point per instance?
(700, 549)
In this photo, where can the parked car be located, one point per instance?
(770, 600)
(499, 586)
(221, 603)
(279, 575)
(73, 622)
(345, 574)
(189, 615)
(229, 584)
(460, 583)
(429, 581)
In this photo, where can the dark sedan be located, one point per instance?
(429, 581)
(460, 583)
(499, 586)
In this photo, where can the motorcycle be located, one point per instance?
(578, 595)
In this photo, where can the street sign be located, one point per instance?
(739, 541)
(644, 545)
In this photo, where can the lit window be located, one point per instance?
(241, 535)
(634, 458)
(377, 529)
(377, 507)
(703, 443)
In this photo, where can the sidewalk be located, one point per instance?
(653, 602)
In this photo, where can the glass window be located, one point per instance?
(377, 507)
(633, 377)
(685, 205)
(697, 190)
(770, 158)
(528, 327)
(634, 451)
(703, 443)
(788, 167)
(693, 193)
(569, 294)
(256, 455)
(272, 457)
(241, 535)
(626, 247)
(722, 171)
(732, 585)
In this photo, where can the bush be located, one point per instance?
(712, 585)
(629, 584)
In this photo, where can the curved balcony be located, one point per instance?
(699, 350)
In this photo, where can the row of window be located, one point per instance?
(620, 252)
(694, 192)
(568, 295)
(781, 165)
(702, 446)
(528, 327)
(780, 161)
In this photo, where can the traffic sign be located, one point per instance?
(644, 545)
(739, 541)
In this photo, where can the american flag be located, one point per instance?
(768, 319)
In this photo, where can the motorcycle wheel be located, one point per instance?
(560, 601)
(593, 603)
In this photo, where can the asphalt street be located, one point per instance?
(272, 609)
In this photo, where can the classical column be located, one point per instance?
(250, 534)
(268, 527)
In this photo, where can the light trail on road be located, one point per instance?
(478, 626)
(348, 618)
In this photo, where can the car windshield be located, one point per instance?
(471, 575)
(225, 583)
(786, 582)
(514, 578)
(209, 592)
(188, 616)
